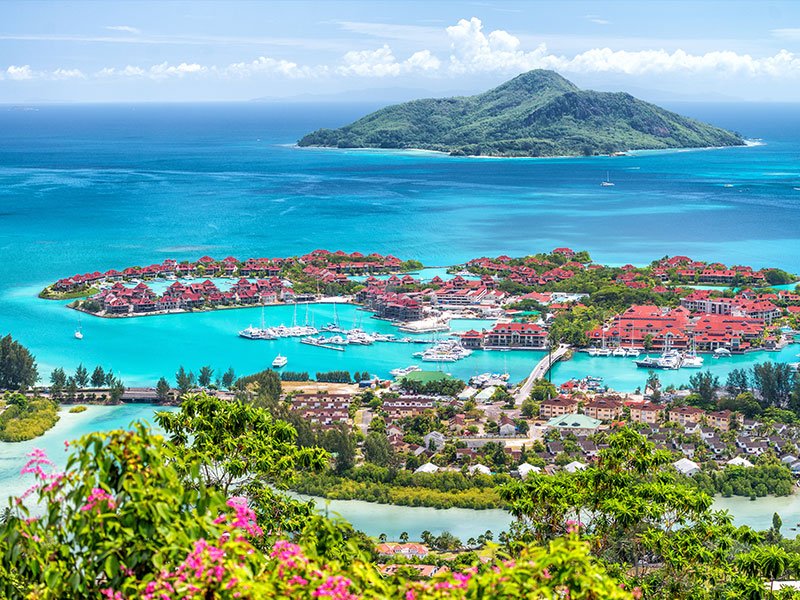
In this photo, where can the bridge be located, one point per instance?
(540, 370)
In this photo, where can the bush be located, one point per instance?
(26, 419)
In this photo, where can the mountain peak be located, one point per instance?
(538, 113)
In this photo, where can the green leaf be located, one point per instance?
(111, 566)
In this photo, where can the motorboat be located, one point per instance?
(279, 361)
(720, 352)
(404, 371)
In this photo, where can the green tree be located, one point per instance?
(98, 377)
(17, 365)
(116, 390)
(738, 382)
(228, 378)
(377, 424)
(244, 449)
(542, 390)
(744, 403)
(705, 384)
(81, 376)
(162, 389)
(58, 381)
(653, 384)
(339, 442)
(205, 376)
(183, 380)
(377, 449)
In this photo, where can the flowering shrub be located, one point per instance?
(122, 523)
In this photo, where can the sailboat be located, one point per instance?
(607, 182)
(691, 360)
(78, 332)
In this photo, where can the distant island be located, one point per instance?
(538, 113)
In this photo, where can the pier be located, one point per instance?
(540, 370)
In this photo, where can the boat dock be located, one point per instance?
(540, 370)
(322, 345)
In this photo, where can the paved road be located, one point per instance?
(540, 370)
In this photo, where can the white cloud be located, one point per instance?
(382, 63)
(164, 70)
(597, 20)
(267, 65)
(19, 73)
(370, 63)
(124, 29)
(67, 74)
(474, 51)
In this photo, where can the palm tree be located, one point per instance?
(404, 537)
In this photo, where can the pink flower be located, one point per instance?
(245, 516)
(97, 496)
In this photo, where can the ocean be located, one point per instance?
(93, 187)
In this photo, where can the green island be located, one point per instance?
(538, 113)
(26, 418)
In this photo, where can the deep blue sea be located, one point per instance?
(94, 187)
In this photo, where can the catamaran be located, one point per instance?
(279, 361)
(607, 182)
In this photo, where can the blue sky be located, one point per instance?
(179, 51)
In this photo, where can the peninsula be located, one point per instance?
(538, 113)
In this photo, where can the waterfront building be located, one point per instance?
(516, 335)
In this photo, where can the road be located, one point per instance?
(540, 370)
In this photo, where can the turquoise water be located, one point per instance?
(69, 427)
(623, 375)
(98, 187)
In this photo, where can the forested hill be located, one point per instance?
(538, 113)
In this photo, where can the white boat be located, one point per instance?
(632, 352)
(607, 182)
(619, 351)
(404, 371)
(78, 332)
(720, 352)
(603, 352)
(279, 361)
(690, 359)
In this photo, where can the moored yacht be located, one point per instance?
(279, 361)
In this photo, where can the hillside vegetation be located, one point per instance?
(538, 113)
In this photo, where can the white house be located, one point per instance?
(574, 466)
(434, 440)
(482, 469)
(427, 468)
(686, 466)
(526, 469)
(739, 462)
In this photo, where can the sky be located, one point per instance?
(164, 51)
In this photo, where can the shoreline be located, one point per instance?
(632, 153)
(181, 311)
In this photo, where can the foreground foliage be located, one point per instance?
(121, 522)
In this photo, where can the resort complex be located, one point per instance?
(674, 305)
